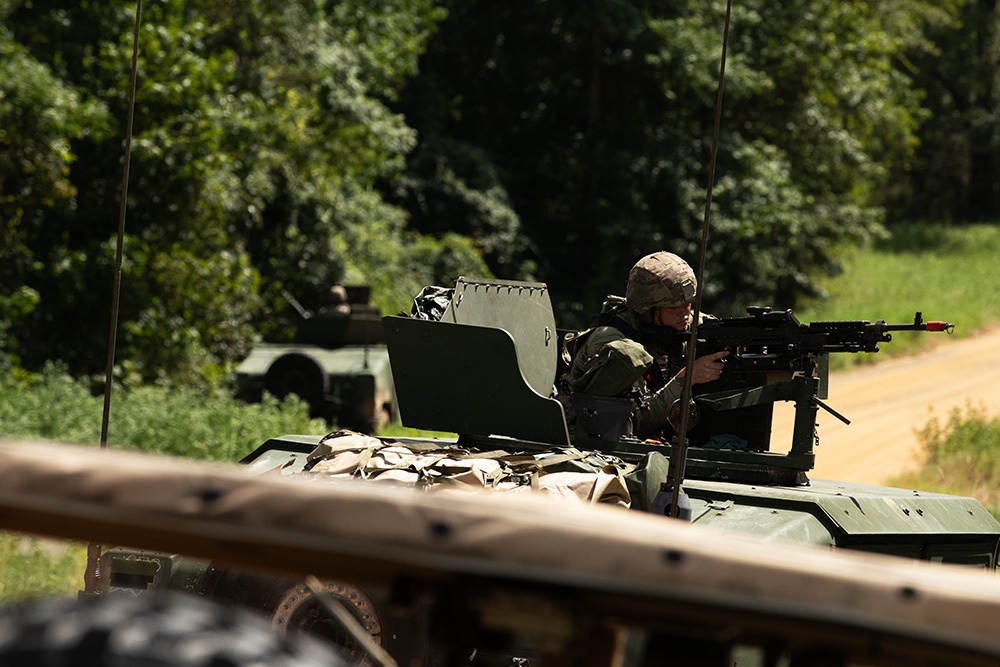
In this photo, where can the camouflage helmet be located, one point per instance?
(660, 280)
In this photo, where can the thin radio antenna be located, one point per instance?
(91, 575)
(679, 450)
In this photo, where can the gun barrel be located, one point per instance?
(294, 303)
(934, 325)
(920, 325)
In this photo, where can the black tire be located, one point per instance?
(300, 375)
(151, 630)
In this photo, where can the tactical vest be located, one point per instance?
(602, 416)
(655, 377)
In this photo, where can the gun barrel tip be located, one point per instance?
(941, 326)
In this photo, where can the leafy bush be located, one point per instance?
(178, 421)
(962, 457)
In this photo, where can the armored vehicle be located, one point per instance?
(337, 363)
(485, 367)
(478, 575)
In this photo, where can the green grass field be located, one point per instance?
(949, 274)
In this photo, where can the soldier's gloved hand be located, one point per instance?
(707, 368)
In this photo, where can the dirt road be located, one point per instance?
(888, 402)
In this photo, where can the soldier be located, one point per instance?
(338, 305)
(611, 359)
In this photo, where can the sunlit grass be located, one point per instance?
(32, 567)
(962, 457)
(947, 273)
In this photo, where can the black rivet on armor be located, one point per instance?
(673, 557)
(440, 529)
(908, 593)
(209, 495)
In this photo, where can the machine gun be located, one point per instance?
(773, 357)
(776, 340)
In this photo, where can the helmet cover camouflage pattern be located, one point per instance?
(660, 280)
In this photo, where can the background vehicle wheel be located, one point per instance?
(298, 374)
(153, 629)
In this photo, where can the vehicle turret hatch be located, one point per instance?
(485, 368)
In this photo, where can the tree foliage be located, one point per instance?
(955, 175)
(594, 124)
(261, 129)
(281, 147)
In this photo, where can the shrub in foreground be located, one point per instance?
(177, 421)
(962, 457)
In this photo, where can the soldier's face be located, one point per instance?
(677, 318)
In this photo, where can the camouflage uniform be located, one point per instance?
(610, 360)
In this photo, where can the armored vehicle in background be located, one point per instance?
(485, 369)
(337, 363)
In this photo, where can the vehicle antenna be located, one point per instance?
(680, 446)
(92, 572)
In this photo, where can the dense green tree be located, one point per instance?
(956, 171)
(261, 128)
(592, 125)
(40, 117)
(280, 147)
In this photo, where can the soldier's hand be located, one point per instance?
(707, 368)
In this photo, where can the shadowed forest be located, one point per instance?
(288, 146)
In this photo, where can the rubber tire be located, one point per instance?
(301, 375)
(163, 629)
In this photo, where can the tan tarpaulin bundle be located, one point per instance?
(592, 478)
